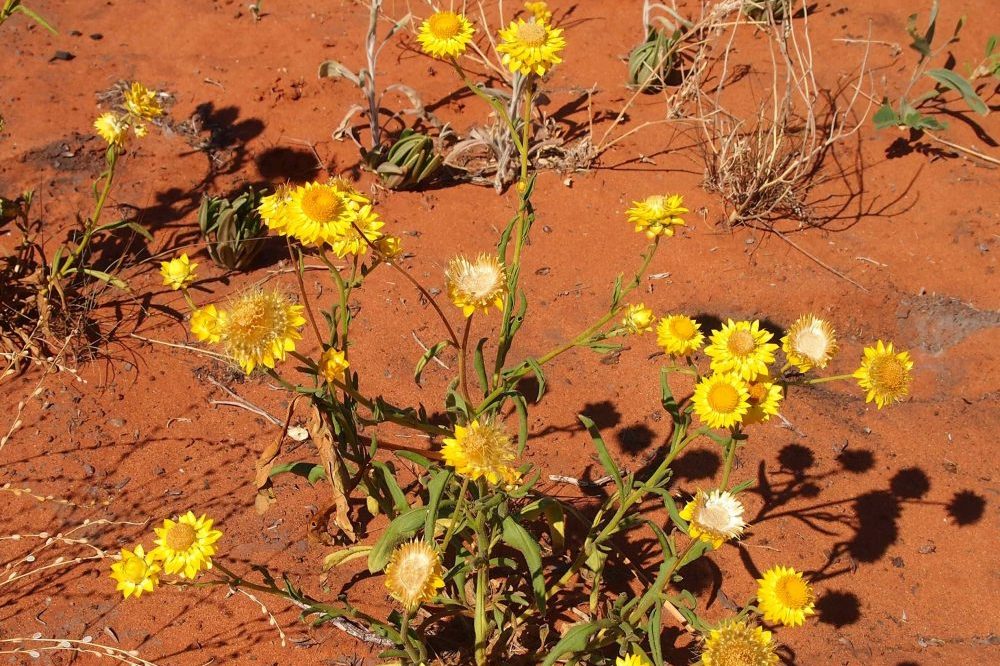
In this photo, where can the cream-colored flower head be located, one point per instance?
(809, 343)
(414, 574)
(476, 285)
(714, 517)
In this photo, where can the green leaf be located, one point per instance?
(539, 375)
(402, 527)
(522, 421)
(886, 116)
(439, 480)
(343, 556)
(956, 82)
(389, 483)
(480, 363)
(575, 640)
(425, 359)
(518, 538)
(107, 277)
(307, 470)
(602, 453)
(415, 458)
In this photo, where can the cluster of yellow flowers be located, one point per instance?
(140, 104)
(526, 46)
(184, 547)
(482, 450)
(332, 213)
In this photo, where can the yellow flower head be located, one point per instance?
(764, 397)
(314, 213)
(679, 335)
(185, 546)
(445, 35)
(414, 573)
(721, 400)
(332, 364)
(714, 517)
(351, 241)
(389, 247)
(783, 596)
(208, 324)
(632, 659)
(476, 285)
(809, 343)
(531, 46)
(178, 273)
(481, 451)
(272, 208)
(885, 374)
(742, 348)
(142, 102)
(540, 10)
(738, 642)
(638, 319)
(112, 128)
(657, 215)
(136, 573)
(260, 327)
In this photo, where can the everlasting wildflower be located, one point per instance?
(351, 242)
(721, 400)
(657, 215)
(476, 285)
(112, 128)
(540, 10)
(738, 642)
(679, 335)
(414, 574)
(142, 102)
(638, 319)
(531, 46)
(481, 450)
(390, 247)
(741, 347)
(208, 324)
(632, 660)
(332, 364)
(314, 213)
(885, 374)
(714, 517)
(136, 573)
(186, 546)
(178, 273)
(445, 35)
(809, 343)
(783, 596)
(764, 398)
(260, 327)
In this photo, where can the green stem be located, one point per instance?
(640, 610)
(481, 624)
(456, 515)
(822, 380)
(489, 99)
(302, 291)
(731, 447)
(404, 635)
(463, 350)
(92, 223)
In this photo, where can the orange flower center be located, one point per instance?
(792, 592)
(888, 372)
(532, 34)
(723, 398)
(180, 537)
(758, 392)
(682, 328)
(741, 343)
(322, 204)
(444, 25)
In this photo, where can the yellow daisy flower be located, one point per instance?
(764, 398)
(638, 319)
(742, 348)
(178, 273)
(142, 102)
(272, 209)
(632, 659)
(390, 247)
(314, 213)
(783, 596)
(657, 215)
(476, 285)
(332, 364)
(721, 400)
(679, 335)
(714, 517)
(185, 546)
(208, 324)
(885, 374)
(445, 35)
(809, 343)
(136, 573)
(351, 242)
(112, 128)
(738, 642)
(530, 46)
(481, 451)
(260, 328)
(540, 10)
(414, 574)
